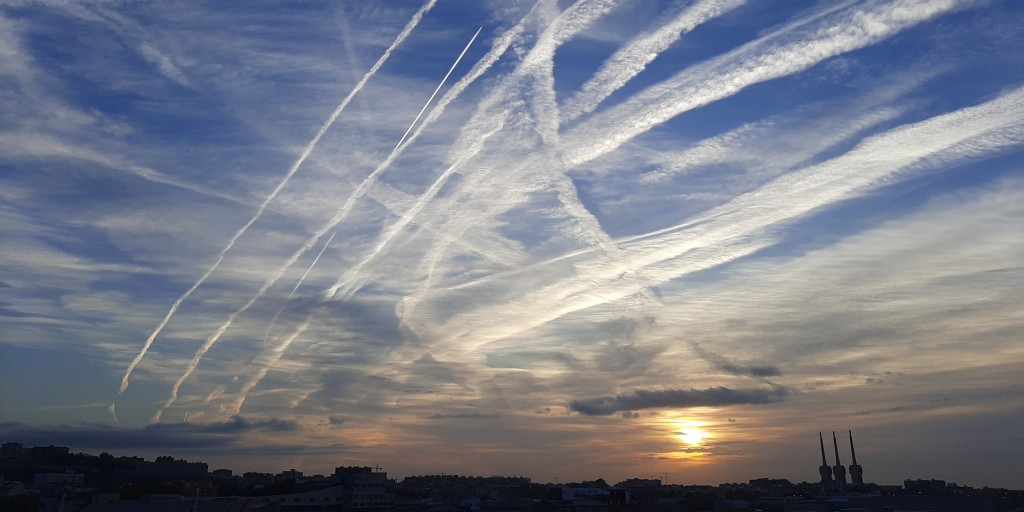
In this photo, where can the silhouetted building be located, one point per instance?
(856, 472)
(169, 468)
(823, 469)
(838, 471)
(48, 452)
(12, 450)
(833, 479)
(292, 475)
(363, 487)
(932, 486)
(640, 483)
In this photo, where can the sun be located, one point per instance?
(692, 436)
(691, 439)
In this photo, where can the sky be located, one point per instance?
(566, 240)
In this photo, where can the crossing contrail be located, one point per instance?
(498, 48)
(783, 53)
(339, 217)
(406, 217)
(350, 283)
(486, 122)
(835, 30)
(728, 74)
(297, 285)
(255, 380)
(855, 117)
(282, 347)
(209, 343)
(743, 225)
(278, 351)
(291, 171)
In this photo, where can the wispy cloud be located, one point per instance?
(784, 52)
(464, 416)
(234, 239)
(757, 371)
(713, 203)
(738, 228)
(630, 60)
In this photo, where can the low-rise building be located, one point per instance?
(365, 488)
(169, 468)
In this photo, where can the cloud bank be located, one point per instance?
(677, 398)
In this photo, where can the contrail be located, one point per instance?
(209, 342)
(253, 381)
(753, 63)
(281, 348)
(311, 265)
(433, 257)
(215, 394)
(338, 218)
(400, 224)
(364, 186)
(632, 59)
(297, 285)
(740, 227)
(496, 249)
(294, 168)
(539, 66)
(275, 356)
(404, 220)
(499, 47)
(568, 23)
(438, 88)
(548, 306)
(723, 147)
(684, 92)
(776, 158)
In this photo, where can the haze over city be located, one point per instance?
(563, 239)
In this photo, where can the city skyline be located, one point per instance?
(176, 467)
(601, 238)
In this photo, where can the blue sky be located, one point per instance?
(622, 238)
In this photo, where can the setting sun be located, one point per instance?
(692, 436)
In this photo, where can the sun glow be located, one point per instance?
(690, 439)
(692, 436)
(690, 432)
